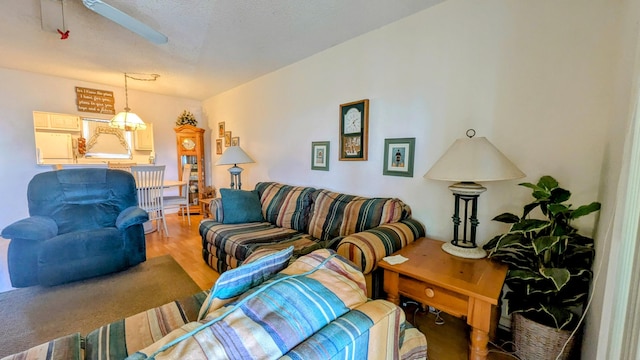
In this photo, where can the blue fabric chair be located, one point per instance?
(83, 223)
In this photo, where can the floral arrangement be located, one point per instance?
(187, 118)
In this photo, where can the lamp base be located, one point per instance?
(464, 252)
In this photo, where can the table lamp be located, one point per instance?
(235, 155)
(468, 161)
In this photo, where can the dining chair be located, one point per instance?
(126, 166)
(181, 201)
(150, 186)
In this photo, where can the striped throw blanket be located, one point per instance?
(316, 307)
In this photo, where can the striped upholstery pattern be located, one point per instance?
(269, 320)
(373, 330)
(233, 283)
(215, 209)
(363, 230)
(336, 214)
(126, 336)
(284, 205)
(64, 348)
(226, 246)
(368, 247)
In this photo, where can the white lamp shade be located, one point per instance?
(473, 159)
(234, 155)
(127, 121)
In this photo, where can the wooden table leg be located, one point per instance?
(390, 286)
(479, 318)
(478, 349)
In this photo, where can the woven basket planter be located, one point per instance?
(534, 341)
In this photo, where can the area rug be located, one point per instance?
(34, 315)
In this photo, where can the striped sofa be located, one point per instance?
(363, 230)
(312, 308)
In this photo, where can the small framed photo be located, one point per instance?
(218, 146)
(235, 141)
(398, 157)
(221, 129)
(227, 138)
(320, 155)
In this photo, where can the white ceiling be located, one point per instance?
(214, 45)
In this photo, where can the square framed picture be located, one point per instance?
(227, 138)
(218, 146)
(221, 129)
(235, 141)
(320, 155)
(398, 157)
(354, 131)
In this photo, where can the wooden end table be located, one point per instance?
(460, 287)
(206, 207)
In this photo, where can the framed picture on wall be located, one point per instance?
(320, 155)
(354, 130)
(221, 129)
(218, 146)
(235, 141)
(227, 138)
(398, 157)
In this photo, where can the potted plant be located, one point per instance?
(549, 268)
(186, 118)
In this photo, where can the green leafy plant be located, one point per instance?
(186, 118)
(549, 262)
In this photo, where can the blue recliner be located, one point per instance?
(83, 223)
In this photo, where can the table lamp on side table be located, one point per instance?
(234, 155)
(468, 161)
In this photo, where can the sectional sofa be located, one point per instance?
(270, 308)
(275, 216)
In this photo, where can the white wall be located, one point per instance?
(615, 247)
(542, 80)
(532, 77)
(23, 92)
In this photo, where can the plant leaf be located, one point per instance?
(556, 209)
(527, 208)
(585, 210)
(547, 182)
(530, 186)
(543, 243)
(527, 225)
(559, 195)
(562, 317)
(559, 276)
(507, 218)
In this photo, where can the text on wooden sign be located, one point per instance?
(95, 101)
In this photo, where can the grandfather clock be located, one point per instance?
(190, 145)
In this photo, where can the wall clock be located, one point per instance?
(354, 130)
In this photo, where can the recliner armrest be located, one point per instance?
(368, 247)
(132, 215)
(32, 228)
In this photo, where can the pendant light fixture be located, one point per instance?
(126, 120)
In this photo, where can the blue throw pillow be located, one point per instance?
(236, 281)
(239, 206)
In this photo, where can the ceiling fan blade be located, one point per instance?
(126, 21)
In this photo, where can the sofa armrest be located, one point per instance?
(215, 209)
(376, 329)
(32, 228)
(132, 215)
(368, 247)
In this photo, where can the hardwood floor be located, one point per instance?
(445, 342)
(185, 245)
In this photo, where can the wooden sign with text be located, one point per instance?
(95, 101)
